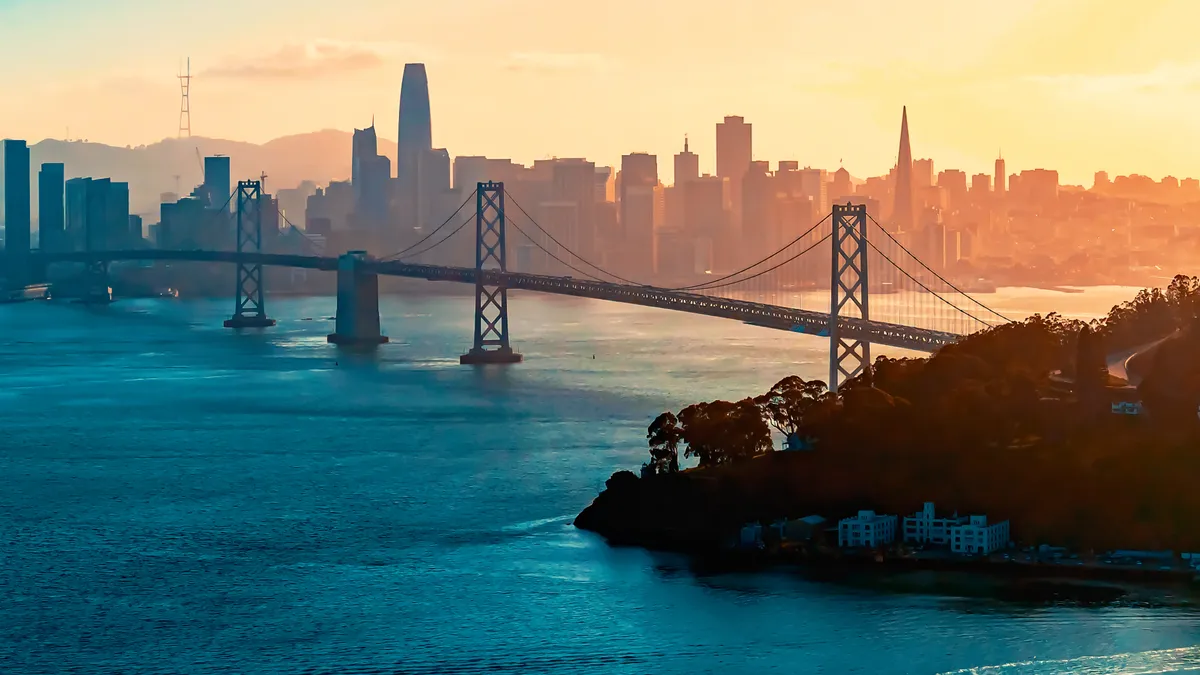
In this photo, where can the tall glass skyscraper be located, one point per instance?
(414, 147)
(16, 210)
(51, 207)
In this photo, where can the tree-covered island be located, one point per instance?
(1022, 422)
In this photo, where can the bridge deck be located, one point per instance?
(770, 316)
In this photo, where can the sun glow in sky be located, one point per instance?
(1077, 85)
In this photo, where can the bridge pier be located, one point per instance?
(96, 288)
(491, 290)
(249, 311)
(357, 304)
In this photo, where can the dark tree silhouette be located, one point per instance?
(664, 436)
(787, 404)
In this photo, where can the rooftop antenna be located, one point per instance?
(185, 108)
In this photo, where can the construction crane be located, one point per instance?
(262, 182)
(200, 161)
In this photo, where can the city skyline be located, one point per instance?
(1074, 85)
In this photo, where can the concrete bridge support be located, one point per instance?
(357, 304)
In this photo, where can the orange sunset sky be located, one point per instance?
(1076, 85)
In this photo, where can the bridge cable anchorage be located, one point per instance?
(440, 241)
(432, 232)
(568, 250)
(926, 288)
(934, 273)
(797, 240)
(249, 310)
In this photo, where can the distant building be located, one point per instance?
(16, 210)
(52, 207)
(977, 537)
(217, 182)
(371, 179)
(924, 527)
(981, 185)
(866, 530)
(735, 151)
(922, 173)
(1000, 176)
(687, 165)
(639, 177)
(904, 207)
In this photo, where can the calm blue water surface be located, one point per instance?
(178, 498)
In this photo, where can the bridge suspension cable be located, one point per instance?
(439, 242)
(711, 282)
(709, 287)
(432, 232)
(933, 272)
(560, 261)
(561, 246)
(923, 286)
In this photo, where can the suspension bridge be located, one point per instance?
(878, 291)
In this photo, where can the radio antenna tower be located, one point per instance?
(185, 107)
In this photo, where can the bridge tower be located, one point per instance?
(249, 310)
(848, 297)
(491, 291)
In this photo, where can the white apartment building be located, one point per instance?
(924, 527)
(866, 530)
(978, 537)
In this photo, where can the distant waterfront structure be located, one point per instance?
(971, 535)
(866, 530)
(978, 537)
(16, 210)
(902, 209)
(52, 207)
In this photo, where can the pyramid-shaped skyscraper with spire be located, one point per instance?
(902, 211)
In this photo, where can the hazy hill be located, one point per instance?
(150, 170)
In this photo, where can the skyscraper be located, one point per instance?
(902, 211)
(687, 165)
(116, 224)
(415, 141)
(639, 176)
(16, 210)
(217, 185)
(734, 153)
(370, 175)
(1000, 176)
(51, 207)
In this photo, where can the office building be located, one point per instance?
(841, 187)
(978, 537)
(981, 186)
(16, 211)
(999, 178)
(52, 207)
(687, 165)
(866, 530)
(414, 144)
(813, 184)
(574, 181)
(639, 178)
(75, 223)
(218, 187)
(734, 153)
(922, 173)
(116, 222)
(605, 185)
(136, 231)
(903, 209)
(954, 183)
(760, 214)
(371, 180)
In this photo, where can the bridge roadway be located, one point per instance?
(759, 314)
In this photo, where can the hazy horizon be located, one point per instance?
(1072, 85)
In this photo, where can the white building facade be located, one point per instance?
(977, 537)
(866, 530)
(924, 527)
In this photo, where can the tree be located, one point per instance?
(787, 404)
(721, 432)
(664, 436)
